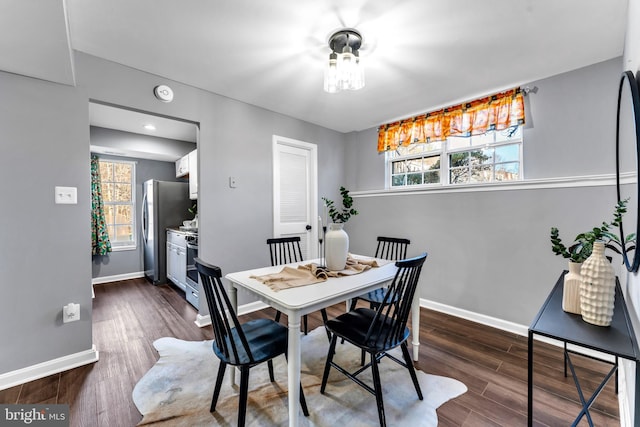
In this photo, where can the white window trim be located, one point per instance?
(128, 246)
(444, 154)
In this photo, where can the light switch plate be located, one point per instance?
(66, 195)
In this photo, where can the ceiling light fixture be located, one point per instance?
(149, 127)
(344, 70)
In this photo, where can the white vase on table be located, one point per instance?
(571, 289)
(598, 288)
(337, 247)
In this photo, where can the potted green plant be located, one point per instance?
(341, 216)
(582, 246)
(336, 239)
(581, 249)
(194, 211)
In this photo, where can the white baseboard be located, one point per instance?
(117, 277)
(50, 367)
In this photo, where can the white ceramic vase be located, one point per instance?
(597, 290)
(571, 290)
(337, 246)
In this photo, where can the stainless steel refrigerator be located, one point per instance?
(164, 204)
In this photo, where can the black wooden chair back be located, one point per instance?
(284, 250)
(392, 248)
(228, 335)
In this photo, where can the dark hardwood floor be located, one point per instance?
(129, 315)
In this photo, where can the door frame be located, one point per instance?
(313, 187)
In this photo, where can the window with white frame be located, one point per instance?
(494, 156)
(118, 195)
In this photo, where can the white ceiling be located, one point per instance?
(110, 117)
(418, 55)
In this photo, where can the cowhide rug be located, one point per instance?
(177, 390)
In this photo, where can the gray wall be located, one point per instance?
(45, 249)
(489, 252)
(44, 129)
(131, 261)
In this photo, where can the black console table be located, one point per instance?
(618, 340)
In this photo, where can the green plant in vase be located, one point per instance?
(581, 249)
(341, 216)
(582, 246)
(336, 239)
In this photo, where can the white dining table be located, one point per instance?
(298, 301)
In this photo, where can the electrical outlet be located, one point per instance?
(66, 195)
(70, 313)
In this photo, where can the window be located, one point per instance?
(494, 156)
(118, 184)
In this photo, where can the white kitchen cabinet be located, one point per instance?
(182, 166)
(193, 174)
(176, 261)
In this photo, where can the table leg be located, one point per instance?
(293, 356)
(415, 325)
(233, 297)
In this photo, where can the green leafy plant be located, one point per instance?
(194, 209)
(582, 246)
(341, 216)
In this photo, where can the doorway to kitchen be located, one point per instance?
(161, 149)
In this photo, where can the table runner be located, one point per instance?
(308, 274)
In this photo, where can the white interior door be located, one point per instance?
(295, 189)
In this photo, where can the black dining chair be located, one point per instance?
(285, 250)
(242, 345)
(378, 331)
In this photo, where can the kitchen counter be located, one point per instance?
(184, 230)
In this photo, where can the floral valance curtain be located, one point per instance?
(495, 112)
(100, 243)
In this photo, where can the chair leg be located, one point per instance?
(323, 312)
(327, 366)
(304, 320)
(412, 371)
(244, 389)
(303, 402)
(378, 389)
(363, 355)
(270, 367)
(278, 315)
(216, 391)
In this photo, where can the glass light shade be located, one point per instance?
(331, 74)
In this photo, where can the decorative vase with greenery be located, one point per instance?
(336, 239)
(581, 250)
